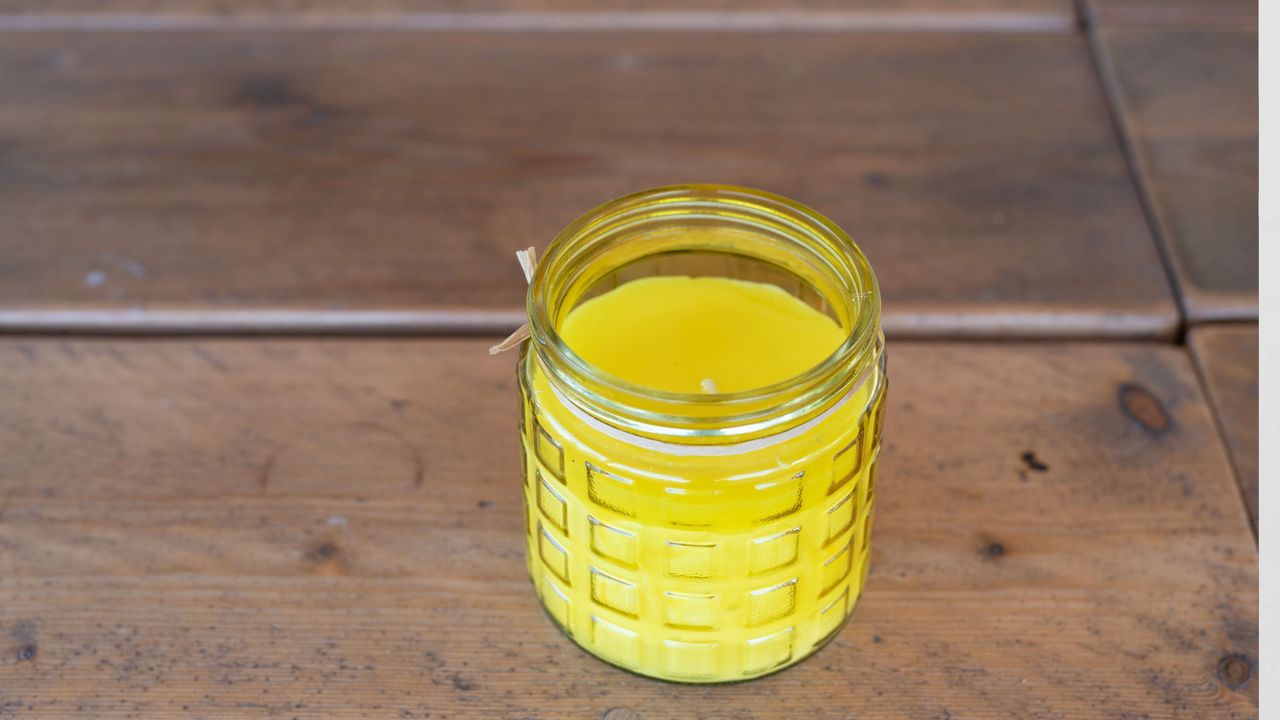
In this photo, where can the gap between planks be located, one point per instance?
(665, 21)
(909, 325)
(1114, 101)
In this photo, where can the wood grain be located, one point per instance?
(310, 528)
(380, 181)
(1188, 101)
(1227, 356)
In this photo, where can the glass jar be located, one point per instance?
(712, 537)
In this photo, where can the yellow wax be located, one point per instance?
(702, 567)
(677, 333)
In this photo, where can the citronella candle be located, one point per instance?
(701, 407)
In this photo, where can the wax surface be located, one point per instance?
(705, 334)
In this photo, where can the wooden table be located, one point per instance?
(252, 470)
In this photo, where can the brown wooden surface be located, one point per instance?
(1189, 103)
(348, 180)
(238, 528)
(1172, 13)
(1228, 359)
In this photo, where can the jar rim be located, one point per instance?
(864, 333)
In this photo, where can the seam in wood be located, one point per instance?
(1113, 98)
(1211, 403)
(906, 325)
(666, 21)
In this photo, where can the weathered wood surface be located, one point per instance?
(381, 180)
(1227, 356)
(1189, 104)
(307, 528)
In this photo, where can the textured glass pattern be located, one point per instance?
(614, 544)
(767, 652)
(691, 610)
(774, 551)
(696, 581)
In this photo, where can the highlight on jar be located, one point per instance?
(702, 384)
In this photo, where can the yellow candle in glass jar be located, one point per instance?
(699, 457)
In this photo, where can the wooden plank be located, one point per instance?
(381, 181)
(1241, 14)
(155, 14)
(320, 528)
(1227, 356)
(1188, 100)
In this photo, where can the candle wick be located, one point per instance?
(708, 386)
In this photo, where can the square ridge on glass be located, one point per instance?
(610, 491)
(689, 659)
(615, 593)
(781, 499)
(553, 506)
(864, 565)
(831, 615)
(524, 463)
(690, 610)
(615, 642)
(866, 525)
(848, 460)
(557, 602)
(880, 407)
(553, 555)
(548, 450)
(773, 552)
(524, 406)
(768, 652)
(837, 567)
(614, 544)
(771, 603)
(840, 518)
(871, 481)
(691, 560)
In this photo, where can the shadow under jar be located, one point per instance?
(701, 537)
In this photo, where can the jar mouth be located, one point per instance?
(817, 243)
